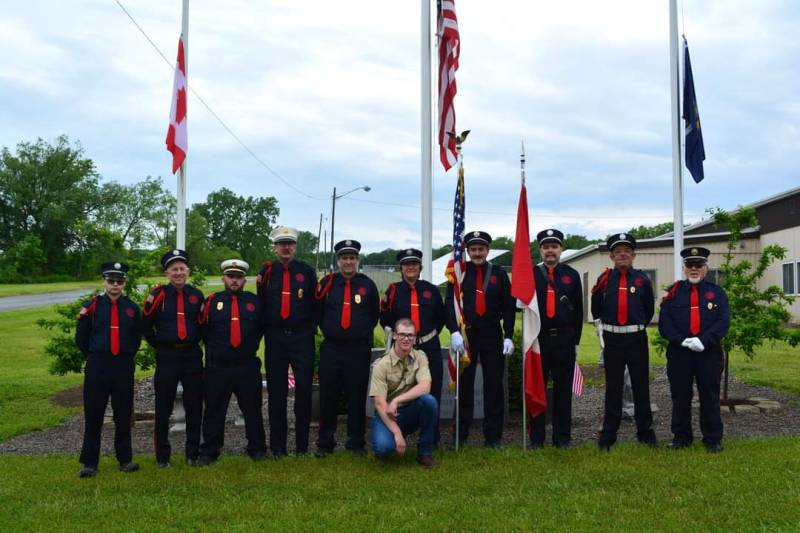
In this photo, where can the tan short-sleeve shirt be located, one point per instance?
(392, 376)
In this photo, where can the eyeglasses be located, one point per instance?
(406, 336)
(694, 264)
(115, 281)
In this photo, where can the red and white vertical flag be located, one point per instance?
(449, 51)
(523, 288)
(177, 134)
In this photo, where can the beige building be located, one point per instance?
(779, 223)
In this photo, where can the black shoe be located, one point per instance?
(714, 447)
(565, 444)
(678, 445)
(535, 446)
(205, 460)
(162, 464)
(88, 471)
(128, 467)
(322, 453)
(653, 443)
(258, 456)
(192, 462)
(604, 445)
(358, 451)
(494, 444)
(278, 455)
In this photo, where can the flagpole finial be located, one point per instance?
(522, 163)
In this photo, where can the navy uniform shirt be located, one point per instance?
(302, 283)
(160, 315)
(396, 304)
(566, 283)
(93, 332)
(641, 303)
(499, 302)
(673, 321)
(215, 322)
(364, 307)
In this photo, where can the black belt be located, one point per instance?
(178, 347)
(554, 332)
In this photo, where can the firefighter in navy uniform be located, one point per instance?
(169, 319)
(231, 325)
(487, 301)
(420, 301)
(560, 297)
(108, 335)
(348, 310)
(623, 300)
(694, 319)
(286, 290)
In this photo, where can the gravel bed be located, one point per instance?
(586, 418)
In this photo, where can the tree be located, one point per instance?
(141, 213)
(756, 315)
(578, 242)
(649, 232)
(307, 247)
(240, 224)
(45, 190)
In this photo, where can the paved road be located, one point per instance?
(11, 303)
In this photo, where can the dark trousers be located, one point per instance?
(188, 370)
(433, 351)
(219, 382)
(284, 348)
(683, 368)
(106, 376)
(631, 350)
(343, 366)
(558, 365)
(486, 348)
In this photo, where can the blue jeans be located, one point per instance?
(422, 414)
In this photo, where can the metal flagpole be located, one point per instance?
(524, 407)
(426, 127)
(677, 167)
(180, 221)
(459, 140)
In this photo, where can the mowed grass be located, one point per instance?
(20, 289)
(25, 383)
(752, 485)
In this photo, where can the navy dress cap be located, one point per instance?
(114, 269)
(477, 237)
(695, 253)
(621, 238)
(411, 254)
(348, 246)
(550, 235)
(174, 255)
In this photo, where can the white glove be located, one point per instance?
(456, 342)
(576, 351)
(508, 347)
(694, 344)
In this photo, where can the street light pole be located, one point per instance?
(334, 197)
(319, 241)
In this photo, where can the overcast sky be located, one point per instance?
(328, 94)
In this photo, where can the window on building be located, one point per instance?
(789, 278)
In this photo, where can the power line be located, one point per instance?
(214, 114)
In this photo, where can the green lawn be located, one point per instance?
(751, 486)
(19, 289)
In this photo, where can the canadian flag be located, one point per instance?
(177, 135)
(523, 288)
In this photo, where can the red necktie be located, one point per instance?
(286, 294)
(694, 311)
(181, 316)
(236, 332)
(551, 295)
(346, 305)
(114, 328)
(415, 309)
(622, 302)
(480, 300)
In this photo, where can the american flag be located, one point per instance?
(577, 381)
(449, 50)
(457, 266)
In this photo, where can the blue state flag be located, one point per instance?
(695, 152)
